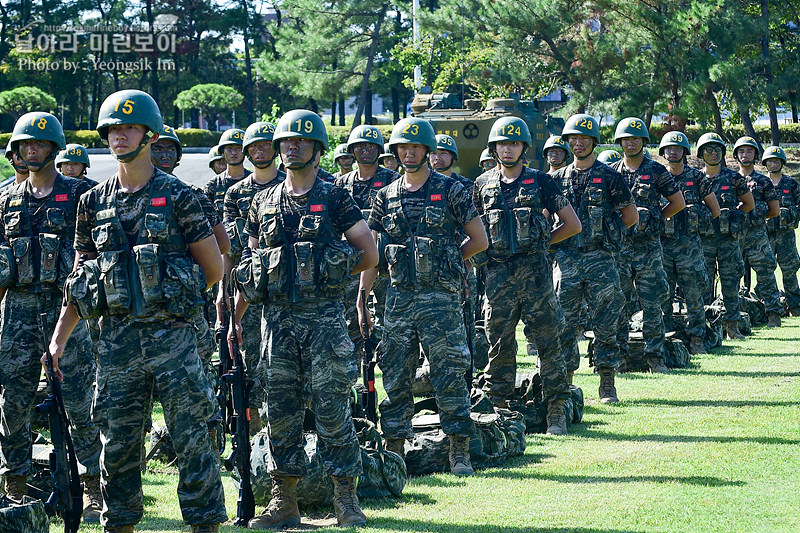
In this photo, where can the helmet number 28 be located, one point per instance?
(585, 123)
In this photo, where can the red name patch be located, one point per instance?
(378, 184)
(646, 177)
(158, 202)
(62, 197)
(597, 180)
(316, 208)
(689, 183)
(725, 187)
(529, 181)
(786, 191)
(436, 197)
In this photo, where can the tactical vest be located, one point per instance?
(730, 221)
(316, 266)
(790, 215)
(244, 198)
(220, 186)
(430, 256)
(758, 216)
(521, 229)
(156, 276)
(376, 183)
(648, 204)
(602, 225)
(40, 262)
(695, 218)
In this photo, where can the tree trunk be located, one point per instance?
(333, 112)
(341, 110)
(368, 108)
(773, 112)
(395, 105)
(368, 70)
(248, 65)
(794, 113)
(744, 112)
(712, 101)
(154, 71)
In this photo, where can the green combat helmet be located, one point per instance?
(38, 126)
(709, 138)
(674, 138)
(214, 154)
(259, 132)
(448, 144)
(631, 127)
(509, 129)
(582, 124)
(413, 131)
(73, 153)
(365, 134)
(485, 156)
(9, 155)
(609, 156)
(303, 124)
(130, 107)
(746, 141)
(555, 141)
(774, 152)
(169, 133)
(231, 136)
(386, 152)
(340, 151)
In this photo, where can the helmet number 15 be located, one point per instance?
(127, 106)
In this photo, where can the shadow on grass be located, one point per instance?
(625, 437)
(754, 374)
(408, 497)
(711, 403)
(157, 523)
(398, 524)
(703, 481)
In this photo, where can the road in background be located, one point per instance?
(193, 168)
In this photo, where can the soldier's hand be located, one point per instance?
(237, 330)
(363, 318)
(222, 301)
(56, 352)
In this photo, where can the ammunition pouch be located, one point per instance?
(84, 290)
(8, 266)
(759, 213)
(731, 222)
(518, 230)
(399, 266)
(425, 264)
(649, 225)
(382, 242)
(238, 236)
(183, 285)
(251, 276)
(22, 250)
(49, 245)
(116, 282)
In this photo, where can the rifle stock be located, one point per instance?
(370, 400)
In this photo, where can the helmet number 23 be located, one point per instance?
(413, 128)
(127, 106)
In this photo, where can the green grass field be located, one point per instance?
(715, 447)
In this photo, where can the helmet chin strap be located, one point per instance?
(262, 164)
(36, 167)
(300, 166)
(445, 169)
(493, 151)
(416, 168)
(130, 156)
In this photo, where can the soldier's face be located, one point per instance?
(233, 154)
(488, 164)
(411, 154)
(673, 154)
(441, 159)
(72, 170)
(164, 155)
(125, 138)
(509, 151)
(366, 153)
(18, 163)
(581, 145)
(261, 151)
(712, 155)
(390, 163)
(556, 156)
(296, 151)
(345, 162)
(219, 166)
(746, 155)
(35, 150)
(774, 164)
(631, 145)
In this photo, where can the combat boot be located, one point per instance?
(570, 377)
(773, 320)
(16, 488)
(397, 446)
(205, 528)
(92, 499)
(556, 419)
(732, 331)
(118, 529)
(657, 365)
(697, 346)
(460, 464)
(608, 392)
(345, 502)
(282, 510)
(795, 311)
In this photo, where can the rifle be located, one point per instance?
(369, 397)
(748, 276)
(469, 327)
(223, 367)
(239, 458)
(67, 496)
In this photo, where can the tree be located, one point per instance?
(17, 102)
(209, 98)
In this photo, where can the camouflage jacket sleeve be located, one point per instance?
(477, 193)
(252, 226)
(665, 182)
(618, 192)
(794, 186)
(208, 208)
(87, 206)
(739, 183)
(192, 221)
(554, 199)
(704, 185)
(378, 210)
(460, 203)
(230, 210)
(766, 190)
(344, 211)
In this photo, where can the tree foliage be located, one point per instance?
(21, 100)
(209, 98)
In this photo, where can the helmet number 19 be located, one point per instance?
(304, 126)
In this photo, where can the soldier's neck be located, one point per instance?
(586, 163)
(299, 181)
(41, 182)
(366, 172)
(236, 171)
(19, 177)
(415, 180)
(633, 163)
(776, 177)
(746, 171)
(510, 174)
(712, 170)
(676, 168)
(135, 174)
(448, 172)
(265, 175)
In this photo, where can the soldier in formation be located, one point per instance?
(388, 160)
(73, 161)
(486, 161)
(216, 161)
(20, 170)
(556, 152)
(343, 159)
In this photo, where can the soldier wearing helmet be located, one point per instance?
(366, 144)
(73, 161)
(37, 227)
(640, 262)
(423, 216)
(230, 144)
(756, 251)
(216, 161)
(142, 221)
(604, 205)
(609, 157)
(556, 151)
(511, 199)
(297, 227)
(20, 170)
(487, 162)
(721, 249)
(258, 149)
(781, 228)
(387, 159)
(680, 239)
(344, 159)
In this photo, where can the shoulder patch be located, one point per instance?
(15, 202)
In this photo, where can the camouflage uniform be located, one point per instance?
(519, 279)
(217, 186)
(721, 250)
(364, 193)
(640, 259)
(144, 346)
(306, 346)
(422, 303)
(683, 251)
(236, 208)
(780, 231)
(324, 175)
(588, 269)
(26, 218)
(756, 249)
